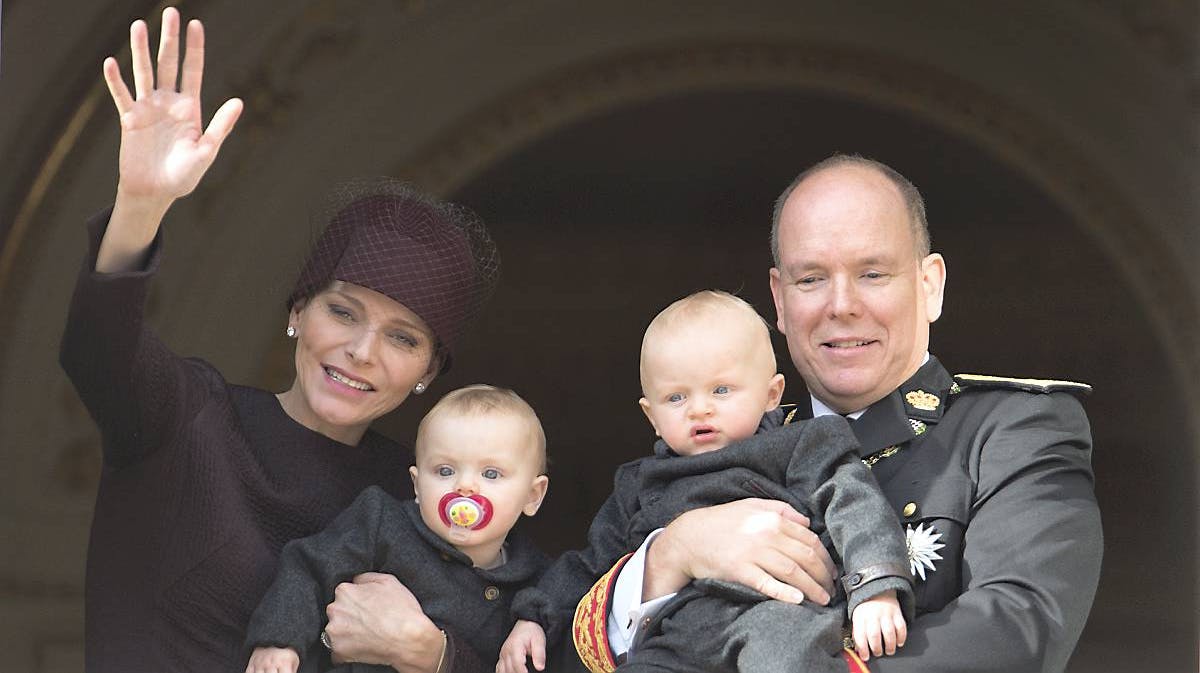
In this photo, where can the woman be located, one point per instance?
(204, 481)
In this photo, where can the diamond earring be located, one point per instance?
(419, 388)
(291, 332)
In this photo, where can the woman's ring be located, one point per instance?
(325, 641)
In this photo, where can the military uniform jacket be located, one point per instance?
(382, 534)
(998, 471)
(812, 465)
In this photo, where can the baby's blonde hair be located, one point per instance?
(480, 399)
(707, 305)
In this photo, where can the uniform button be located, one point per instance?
(491, 593)
(855, 579)
(910, 509)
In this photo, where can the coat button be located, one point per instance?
(909, 509)
(855, 579)
(491, 593)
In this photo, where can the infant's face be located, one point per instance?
(705, 388)
(493, 455)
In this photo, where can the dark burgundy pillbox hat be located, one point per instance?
(435, 258)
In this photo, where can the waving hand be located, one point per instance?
(165, 149)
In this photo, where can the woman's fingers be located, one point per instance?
(168, 50)
(193, 60)
(139, 48)
(221, 124)
(116, 86)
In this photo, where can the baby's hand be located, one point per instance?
(273, 660)
(878, 626)
(526, 640)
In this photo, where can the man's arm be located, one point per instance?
(764, 544)
(1032, 548)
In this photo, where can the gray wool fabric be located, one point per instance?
(720, 626)
(381, 534)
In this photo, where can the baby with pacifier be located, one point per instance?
(480, 464)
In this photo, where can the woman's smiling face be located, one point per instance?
(358, 356)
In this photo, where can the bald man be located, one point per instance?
(991, 477)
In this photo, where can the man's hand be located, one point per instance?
(527, 639)
(764, 544)
(879, 626)
(376, 620)
(273, 660)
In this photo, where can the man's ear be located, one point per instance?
(645, 405)
(933, 284)
(412, 472)
(537, 493)
(775, 391)
(777, 296)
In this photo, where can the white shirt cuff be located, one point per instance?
(627, 611)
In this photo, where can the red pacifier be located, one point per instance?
(469, 512)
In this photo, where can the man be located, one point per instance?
(990, 477)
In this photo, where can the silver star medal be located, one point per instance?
(922, 549)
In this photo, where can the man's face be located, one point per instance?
(851, 296)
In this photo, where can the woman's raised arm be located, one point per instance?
(165, 149)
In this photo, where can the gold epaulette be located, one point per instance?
(965, 381)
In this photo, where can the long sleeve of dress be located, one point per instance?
(139, 392)
(1031, 560)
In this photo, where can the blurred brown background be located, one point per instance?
(624, 154)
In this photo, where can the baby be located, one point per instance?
(711, 392)
(480, 464)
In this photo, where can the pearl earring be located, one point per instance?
(291, 332)
(419, 388)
